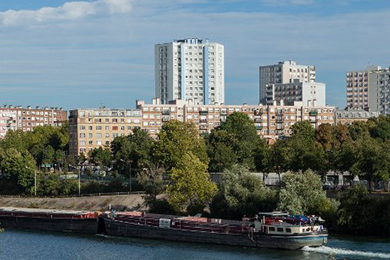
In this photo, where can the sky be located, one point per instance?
(96, 53)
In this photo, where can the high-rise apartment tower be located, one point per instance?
(283, 73)
(369, 89)
(190, 69)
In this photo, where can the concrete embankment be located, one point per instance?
(91, 203)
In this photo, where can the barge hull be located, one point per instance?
(125, 229)
(82, 226)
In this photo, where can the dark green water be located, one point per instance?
(23, 245)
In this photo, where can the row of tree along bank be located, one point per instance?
(178, 162)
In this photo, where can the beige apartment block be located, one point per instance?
(28, 118)
(271, 122)
(93, 128)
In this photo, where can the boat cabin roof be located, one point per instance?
(274, 214)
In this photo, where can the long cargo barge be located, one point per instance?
(274, 230)
(68, 221)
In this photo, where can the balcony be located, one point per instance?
(313, 113)
(203, 112)
(259, 127)
(166, 112)
(279, 119)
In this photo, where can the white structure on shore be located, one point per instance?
(190, 69)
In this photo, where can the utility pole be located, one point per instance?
(79, 180)
(130, 175)
(35, 182)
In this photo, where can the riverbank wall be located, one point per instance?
(98, 202)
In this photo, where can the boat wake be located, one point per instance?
(345, 252)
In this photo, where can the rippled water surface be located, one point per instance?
(23, 245)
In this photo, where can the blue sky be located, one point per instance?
(101, 52)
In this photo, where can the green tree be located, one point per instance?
(278, 157)
(191, 188)
(174, 141)
(152, 181)
(359, 130)
(340, 136)
(381, 128)
(241, 193)
(307, 154)
(245, 141)
(221, 150)
(261, 151)
(303, 130)
(347, 157)
(19, 168)
(301, 192)
(100, 156)
(135, 148)
(361, 214)
(324, 136)
(370, 160)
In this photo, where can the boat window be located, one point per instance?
(288, 230)
(280, 229)
(271, 229)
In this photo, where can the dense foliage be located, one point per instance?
(241, 193)
(173, 169)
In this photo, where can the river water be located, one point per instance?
(26, 245)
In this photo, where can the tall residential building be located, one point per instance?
(309, 93)
(369, 89)
(282, 73)
(379, 91)
(93, 128)
(190, 69)
(28, 118)
(358, 88)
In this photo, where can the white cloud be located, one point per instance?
(118, 6)
(68, 11)
(111, 57)
(287, 2)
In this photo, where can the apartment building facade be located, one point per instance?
(282, 73)
(8, 121)
(350, 115)
(271, 122)
(190, 69)
(369, 89)
(379, 91)
(93, 128)
(309, 93)
(358, 88)
(28, 118)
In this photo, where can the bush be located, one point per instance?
(362, 213)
